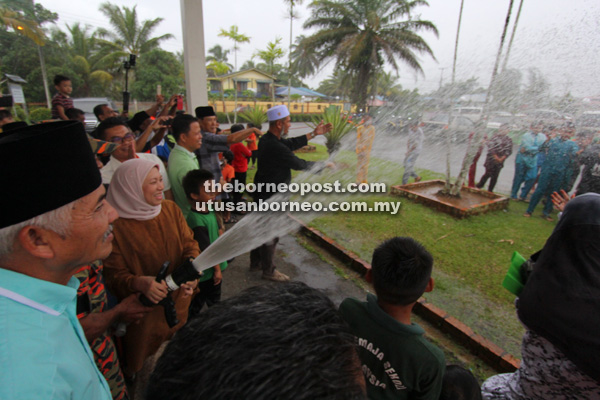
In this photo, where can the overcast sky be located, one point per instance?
(559, 37)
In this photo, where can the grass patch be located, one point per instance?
(471, 255)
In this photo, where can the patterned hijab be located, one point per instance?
(125, 191)
(561, 300)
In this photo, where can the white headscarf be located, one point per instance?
(125, 192)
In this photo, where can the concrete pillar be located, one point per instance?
(194, 60)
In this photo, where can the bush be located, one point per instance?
(222, 117)
(20, 114)
(40, 114)
(303, 117)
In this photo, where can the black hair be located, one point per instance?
(228, 155)
(181, 124)
(73, 113)
(108, 123)
(251, 125)
(5, 114)
(459, 384)
(193, 180)
(99, 110)
(236, 128)
(284, 341)
(60, 78)
(401, 269)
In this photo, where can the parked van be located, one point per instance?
(87, 104)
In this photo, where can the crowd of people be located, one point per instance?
(96, 223)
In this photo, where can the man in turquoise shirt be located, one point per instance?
(526, 161)
(53, 227)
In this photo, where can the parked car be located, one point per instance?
(87, 104)
(498, 118)
(588, 121)
(548, 117)
(440, 125)
(472, 113)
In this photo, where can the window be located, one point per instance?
(241, 86)
(215, 86)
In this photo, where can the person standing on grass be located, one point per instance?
(556, 171)
(526, 161)
(499, 148)
(414, 147)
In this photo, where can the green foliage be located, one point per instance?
(256, 115)
(303, 117)
(341, 127)
(362, 36)
(40, 114)
(19, 114)
(158, 67)
(224, 118)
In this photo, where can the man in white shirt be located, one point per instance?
(115, 130)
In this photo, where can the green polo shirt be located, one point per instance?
(181, 161)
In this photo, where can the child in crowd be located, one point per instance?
(227, 169)
(62, 101)
(252, 143)
(397, 361)
(203, 222)
(239, 163)
(460, 384)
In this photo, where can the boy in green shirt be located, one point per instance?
(203, 222)
(397, 361)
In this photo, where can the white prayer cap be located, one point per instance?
(278, 112)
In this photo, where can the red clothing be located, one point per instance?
(228, 173)
(240, 157)
(60, 99)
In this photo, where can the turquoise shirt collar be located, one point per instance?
(386, 320)
(36, 291)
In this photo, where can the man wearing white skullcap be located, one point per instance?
(276, 159)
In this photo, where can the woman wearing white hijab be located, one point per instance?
(150, 231)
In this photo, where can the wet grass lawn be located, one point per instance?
(471, 255)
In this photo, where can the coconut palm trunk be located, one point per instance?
(481, 124)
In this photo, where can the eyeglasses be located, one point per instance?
(118, 139)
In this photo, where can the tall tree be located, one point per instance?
(363, 35)
(272, 53)
(129, 35)
(292, 15)
(86, 61)
(217, 54)
(158, 67)
(234, 35)
(304, 61)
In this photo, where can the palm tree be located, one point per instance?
(304, 61)
(269, 56)
(22, 25)
(218, 54)
(292, 16)
(129, 36)
(362, 35)
(237, 37)
(87, 61)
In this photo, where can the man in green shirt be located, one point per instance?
(397, 361)
(187, 134)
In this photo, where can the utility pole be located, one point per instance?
(442, 76)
